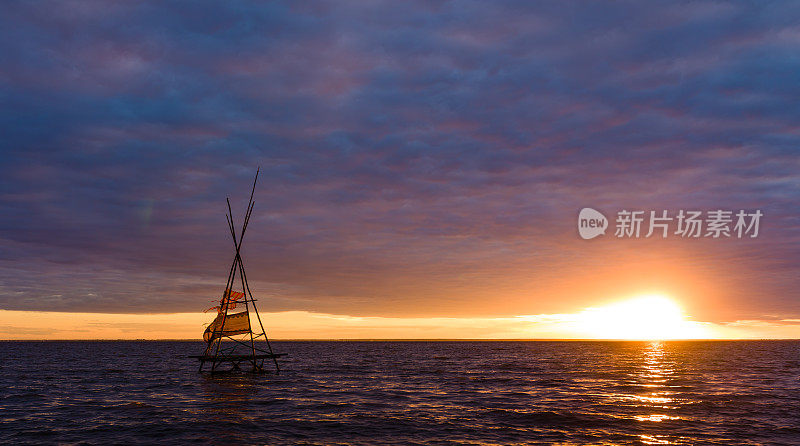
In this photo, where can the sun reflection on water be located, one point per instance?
(654, 439)
(655, 372)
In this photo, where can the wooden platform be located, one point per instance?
(236, 358)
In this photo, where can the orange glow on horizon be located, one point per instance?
(594, 323)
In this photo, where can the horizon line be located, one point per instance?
(417, 340)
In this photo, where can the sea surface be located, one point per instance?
(431, 393)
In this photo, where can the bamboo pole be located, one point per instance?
(269, 346)
(238, 264)
(241, 275)
(225, 303)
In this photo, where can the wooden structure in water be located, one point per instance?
(232, 344)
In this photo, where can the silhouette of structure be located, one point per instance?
(230, 337)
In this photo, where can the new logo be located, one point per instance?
(591, 223)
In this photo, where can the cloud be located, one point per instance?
(417, 159)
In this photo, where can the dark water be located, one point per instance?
(406, 393)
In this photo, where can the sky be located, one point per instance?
(422, 164)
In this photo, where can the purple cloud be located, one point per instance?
(416, 159)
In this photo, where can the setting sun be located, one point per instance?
(652, 316)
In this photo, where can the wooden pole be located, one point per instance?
(225, 295)
(241, 275)
(269, 346)
(225, 302)
(225, 305)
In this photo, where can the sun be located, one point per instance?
(646, 317)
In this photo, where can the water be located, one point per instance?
(495, 392)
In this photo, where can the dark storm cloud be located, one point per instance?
(408, 150)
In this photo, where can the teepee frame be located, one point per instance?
(241, 351)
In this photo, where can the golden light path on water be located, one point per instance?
(655, 372)
(648, 392)
(648, 317)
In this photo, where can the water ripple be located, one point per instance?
(407, 393)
